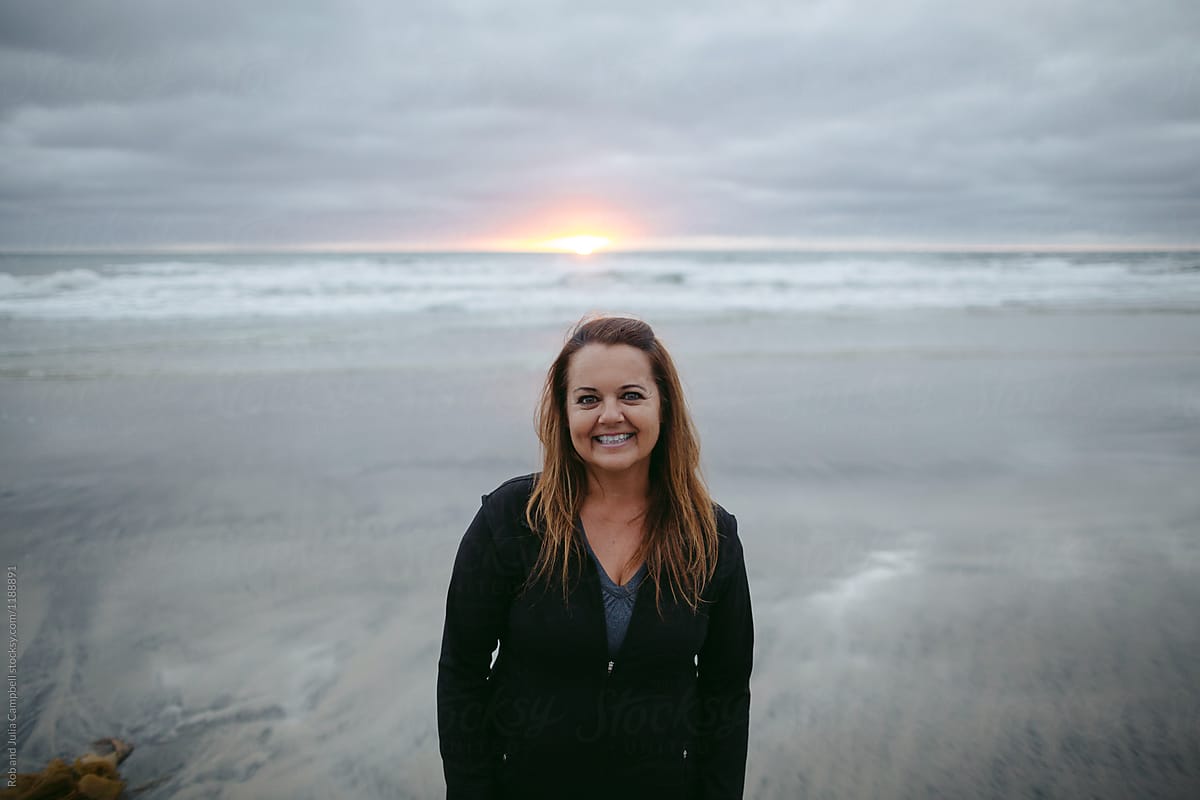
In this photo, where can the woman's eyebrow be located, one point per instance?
(594, 389)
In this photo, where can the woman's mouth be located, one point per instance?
(613, 439)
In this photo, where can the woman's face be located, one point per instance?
(613, 409)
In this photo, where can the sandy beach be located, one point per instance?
(972, 541)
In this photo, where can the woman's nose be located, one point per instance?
(610, 412)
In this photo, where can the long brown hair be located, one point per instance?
(680, 546)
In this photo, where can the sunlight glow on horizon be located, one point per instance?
(583, 245)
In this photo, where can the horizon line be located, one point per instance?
(731, 246)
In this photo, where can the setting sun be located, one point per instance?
(583, 245)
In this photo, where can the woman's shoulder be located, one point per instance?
(519, 484)
(726, 523)
(730, 558)
(726, 527)
(513, 490)
(505, 505)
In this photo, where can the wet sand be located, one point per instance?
(973, 544)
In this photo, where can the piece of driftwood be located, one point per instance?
(92, 776)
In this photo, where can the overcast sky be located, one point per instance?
(172, 123)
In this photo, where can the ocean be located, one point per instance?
(519, 287)
(232, 486)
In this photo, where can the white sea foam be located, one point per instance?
(88, 287)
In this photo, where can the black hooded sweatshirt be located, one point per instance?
(553, 716)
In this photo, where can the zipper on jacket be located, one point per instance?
(610, 666)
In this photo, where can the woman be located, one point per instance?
(617, 593)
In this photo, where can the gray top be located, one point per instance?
(618, 600)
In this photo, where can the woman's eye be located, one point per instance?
(591, 399)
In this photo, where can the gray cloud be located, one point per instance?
(293, 123)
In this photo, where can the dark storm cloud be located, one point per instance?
(149, 123)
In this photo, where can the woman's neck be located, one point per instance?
(618, 492)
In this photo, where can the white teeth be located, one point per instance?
(615, 438)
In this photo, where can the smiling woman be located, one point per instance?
(616, 592)
(612, 414)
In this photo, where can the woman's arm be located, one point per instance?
(724, 667)
(476, 606)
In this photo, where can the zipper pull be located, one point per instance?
(685, 754)
(610, 666)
